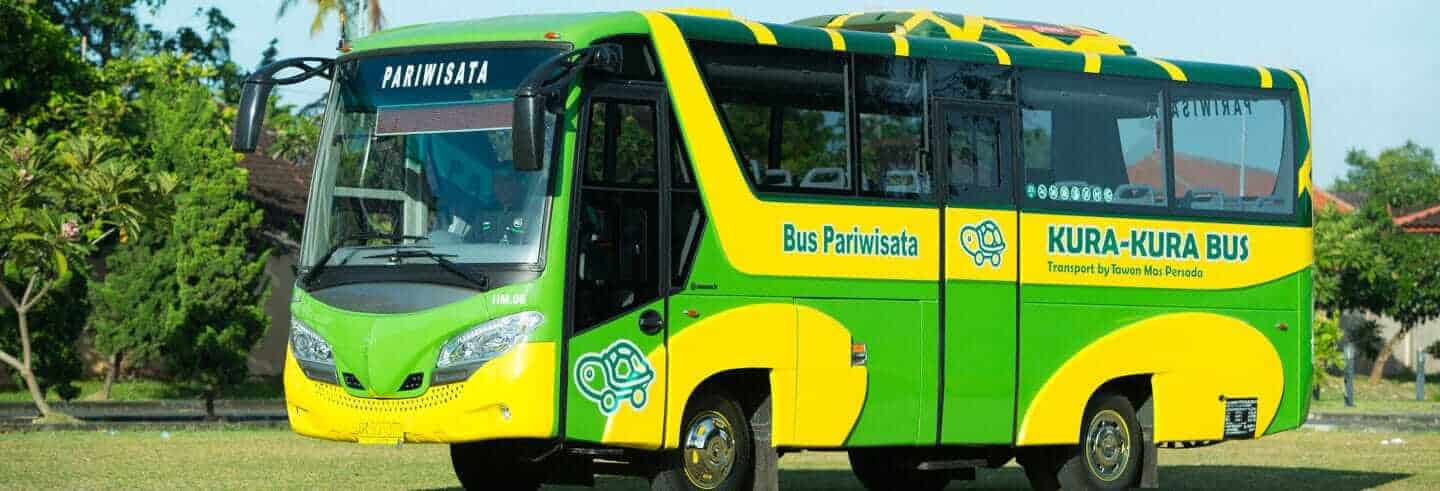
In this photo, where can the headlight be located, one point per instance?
(461, 355)
(312, 353)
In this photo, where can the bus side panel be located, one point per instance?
(1195, 359)
(979, 362)
(895, 342)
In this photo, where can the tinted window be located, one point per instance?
(1231, 151)
(785, 110)
(618, 259)
(620, 148)
(975, 151)
(890, 99)
(1092, 141)
(965, 81)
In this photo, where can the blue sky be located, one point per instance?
(1371, 65)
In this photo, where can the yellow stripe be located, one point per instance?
(1304, 93)
(902, 45)
(1174, 71)
(840, 21)
(916, 18)
(1265, 81)
(762, 33)
(837, 42)
(1001, 56)
(974, 25)
(1092, 63)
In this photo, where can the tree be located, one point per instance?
(344, 10)
(216, 314)
(37, 59)
(1348, 261)
(1406, 285)
(130, 305)
(56, 206)
(63, 315)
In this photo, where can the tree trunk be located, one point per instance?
(210, 405)
(26, 369)
(1378, 370)
(110, 376)
(29, 376)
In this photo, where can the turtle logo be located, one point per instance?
(617, 374)
(983, 242)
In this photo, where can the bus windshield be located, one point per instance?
(417, 156)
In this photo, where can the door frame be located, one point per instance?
(939, 109)
(602, 88)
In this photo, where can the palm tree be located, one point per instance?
(375, 17)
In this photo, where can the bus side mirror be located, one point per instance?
(528, 143)
(533, 98)
(255, 96)
(250, 117)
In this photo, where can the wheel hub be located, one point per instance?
(709, 451)
(1107, 445)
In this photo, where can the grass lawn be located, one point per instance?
(278, 459)
(142, 390)
(1391, 395)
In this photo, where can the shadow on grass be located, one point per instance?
(1171, 477)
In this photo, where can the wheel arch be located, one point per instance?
(1191, 361)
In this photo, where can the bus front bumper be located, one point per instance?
(512, 396)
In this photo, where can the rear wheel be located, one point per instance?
(886, 469)
(1109, 456)
(497, 465)
(717, 451)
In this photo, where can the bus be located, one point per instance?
(679, 244)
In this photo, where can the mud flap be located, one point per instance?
(1150, 463)
(767, 460)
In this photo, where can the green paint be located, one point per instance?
(979, 362)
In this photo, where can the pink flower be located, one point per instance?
(70, 230)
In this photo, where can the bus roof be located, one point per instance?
(925, 34)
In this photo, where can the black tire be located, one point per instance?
(1110, 456)
(1041, 464)
(889, 469)
(719, 411)
(495, 465)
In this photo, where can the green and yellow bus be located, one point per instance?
(679, 244)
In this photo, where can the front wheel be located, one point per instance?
(717, 451)
(497, 465)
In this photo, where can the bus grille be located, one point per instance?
(435, 397)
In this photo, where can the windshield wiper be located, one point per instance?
(479, 282)
(314, 271)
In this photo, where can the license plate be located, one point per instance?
(380, 433)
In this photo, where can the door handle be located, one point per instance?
(651, 322)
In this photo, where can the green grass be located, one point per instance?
(278, 459)
(1391, 395)
(143, 390)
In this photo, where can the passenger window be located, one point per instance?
(1232, 152)
(890, 99)
(785, 111)
(1092, 142)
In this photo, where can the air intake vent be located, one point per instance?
(412, 382)
(352, 382)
